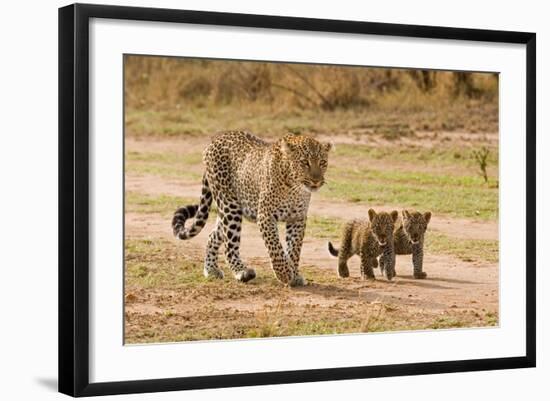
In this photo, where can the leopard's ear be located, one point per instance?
(406, 214)
(427, 216)
(327, 146)
(394, 215)
(286, 146)
(372, 214)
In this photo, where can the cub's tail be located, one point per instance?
(332, 250)
(199, 212)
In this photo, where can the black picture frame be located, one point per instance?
(74, 198)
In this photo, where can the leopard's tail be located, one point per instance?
(199, 212)
(332, 250)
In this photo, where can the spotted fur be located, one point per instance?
(368, 239)
(264, 182)
(199, 212)
(409, 239)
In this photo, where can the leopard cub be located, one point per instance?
(368, 239)
(408, 239)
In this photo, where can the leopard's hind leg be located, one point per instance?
(231, 216)
(215, 240)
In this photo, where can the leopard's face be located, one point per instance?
(415, 225)
(382, 225)
(308, 160)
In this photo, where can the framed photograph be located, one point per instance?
(250, 199)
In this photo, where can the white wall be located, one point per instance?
(28, 210)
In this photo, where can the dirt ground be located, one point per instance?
(457, 293)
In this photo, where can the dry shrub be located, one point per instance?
(341, 88)
(159, 83)
(196, 88)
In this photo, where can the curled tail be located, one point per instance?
(199, 212)
(332, 250)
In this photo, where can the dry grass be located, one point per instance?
(176, 96)
(158, 82)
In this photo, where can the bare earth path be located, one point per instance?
(452, 283)
(453, 227)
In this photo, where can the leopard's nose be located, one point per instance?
(317, 184)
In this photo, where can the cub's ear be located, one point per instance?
(372, 214)
(286, 146)
(427, 216)
(406, 214)
(328, 146)
(394, 215)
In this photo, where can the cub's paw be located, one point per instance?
(420, 275)
(343, 272)
(390, 275)
(245, 275)
(298, 281)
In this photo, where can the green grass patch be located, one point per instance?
(187, 159)
(468, 250)
(460, 196)
(320, 326)
(149, 265)
(165, 164)
(323, 227)
(443, 155)
(447, 322)
(491, 318)
(164, 204)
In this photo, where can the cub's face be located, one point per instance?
(382, 225)
(415, 224)
(308, 159)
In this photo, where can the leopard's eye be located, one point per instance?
(323, 163)
(305, 162)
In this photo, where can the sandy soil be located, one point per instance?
(452, 282)
(453, 227)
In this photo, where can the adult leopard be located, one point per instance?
(264, 182)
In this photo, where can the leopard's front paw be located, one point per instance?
(213, 273)
(420, 275)
(245, 275)
(298, 281)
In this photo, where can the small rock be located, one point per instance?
(130, 297)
